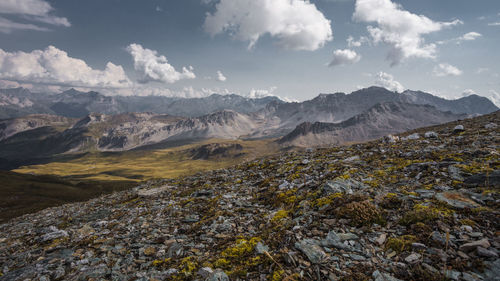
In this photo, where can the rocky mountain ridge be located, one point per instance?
(423, 205)
(378, 121)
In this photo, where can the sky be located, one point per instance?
(295, 49)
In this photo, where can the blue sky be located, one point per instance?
(290, 48)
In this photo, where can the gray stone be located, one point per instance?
(205, 272)
(452, 274)
(153, 191)
(340, 185)
(261, 248)
(379, 276)
(486, 253)
(456, 199)
(473, 245)
(491, 126)
(413, 258)
(455, 173)
(312, 250)
(431, 135)
(218, 275)
(333, 240)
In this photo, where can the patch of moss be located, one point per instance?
(391, 201)
(280, 215)
(400, 244)
(327, 200)
(425, 214)
(277, 275)
(361, 213)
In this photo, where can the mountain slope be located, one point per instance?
(412, 210)
(380, 120)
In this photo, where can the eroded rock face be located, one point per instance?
(393, 211)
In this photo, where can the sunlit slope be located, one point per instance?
(142, 165)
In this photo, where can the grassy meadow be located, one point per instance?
(140, 165)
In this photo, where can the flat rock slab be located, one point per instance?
(456, 199)
(153, 191)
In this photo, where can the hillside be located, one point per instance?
(404, 208)
(378, 121)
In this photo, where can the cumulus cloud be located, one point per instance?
(400, 29)
(444, 69)
(387, 81)
(220, 77)
(295, 24)
(343, 57)
(351, 42)
(54, 66)
(32, 10)
(154, 67)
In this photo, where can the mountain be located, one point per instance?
(338, 107)
(76, 104)
(35, 137)
(378, 121)
(278, 114)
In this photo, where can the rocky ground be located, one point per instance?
(420, 206)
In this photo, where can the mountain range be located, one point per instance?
(77, 122)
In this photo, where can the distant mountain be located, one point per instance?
(76, 104)
(378, 121)
(338, 107)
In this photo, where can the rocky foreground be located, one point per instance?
(420, 206)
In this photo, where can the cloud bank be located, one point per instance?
(398, 28)
(294, 24)
(154, 67)
(55, 67)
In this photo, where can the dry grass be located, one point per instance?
(149, 164)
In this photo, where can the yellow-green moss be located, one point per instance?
(277, 275)
(280, 215)
(400, 244)
(327, 200)
(242, 247)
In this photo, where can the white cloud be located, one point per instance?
(33, 10)
(494, 24)
(444, 69)
(343, 57)
(154, 67)
(54, 66)
(387, 81)
(398, 28)
(158, 9)
(295, 24)
(468, 92)
(7, 26)
(220, 77)
(471, 36)
(260, 93)
(351, 42)
(494, 96)
(482, 70)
